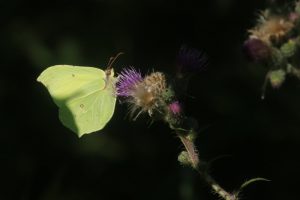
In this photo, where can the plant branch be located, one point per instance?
(200, 167)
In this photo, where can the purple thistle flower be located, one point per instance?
(175, 108)
(128, 80)
(190, 60)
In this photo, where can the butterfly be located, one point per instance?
(85, 96)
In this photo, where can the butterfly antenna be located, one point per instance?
(109, 68)
(112, 60)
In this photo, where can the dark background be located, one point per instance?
(41, 159)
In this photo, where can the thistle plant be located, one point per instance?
(274, 43)
(86, 98)
(157, 97)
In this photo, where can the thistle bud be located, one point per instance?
(256, 50)
(288, 49)
(277, 77)
(175, 108)
(192, 135)
(184, 159)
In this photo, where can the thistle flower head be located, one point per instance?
(190, 60)
(271, 27)
(143, 94)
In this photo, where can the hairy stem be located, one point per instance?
(201, 169)
(191, 150)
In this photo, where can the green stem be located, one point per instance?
(201, 169)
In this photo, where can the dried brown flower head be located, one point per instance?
(271, 28)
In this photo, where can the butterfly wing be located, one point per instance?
(86, 102)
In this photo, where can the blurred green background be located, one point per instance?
(42, 160)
